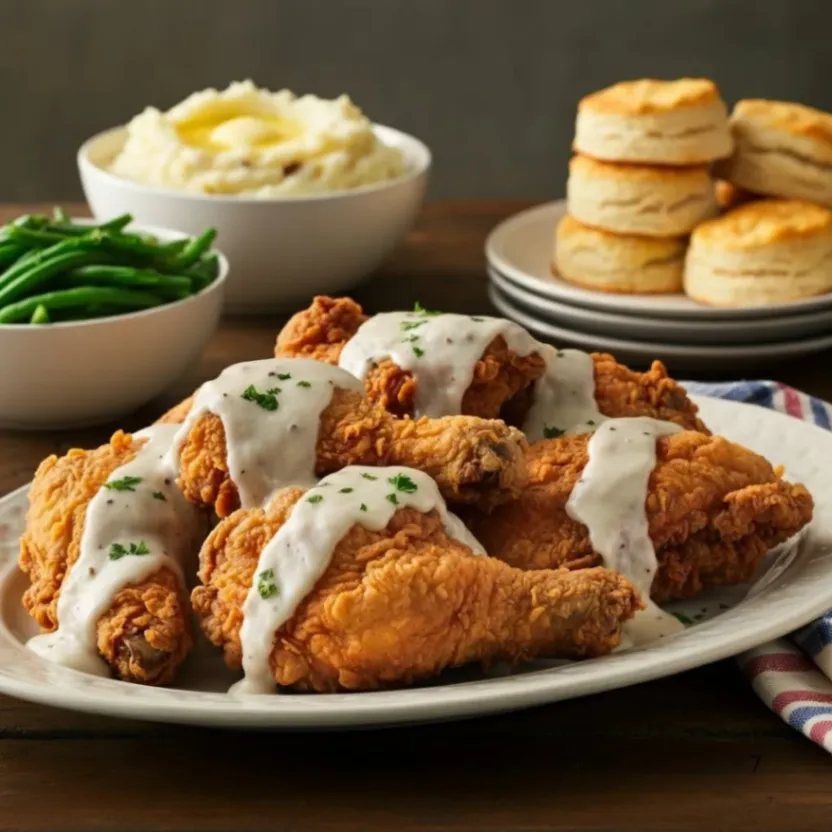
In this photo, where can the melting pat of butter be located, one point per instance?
(238, 132)
(249, 131)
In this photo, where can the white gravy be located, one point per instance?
(298, 555)
(564, 397)
(270, 411)
(609, 499)
(441, 350)
(131, 528)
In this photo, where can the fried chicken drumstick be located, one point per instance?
(713, 510)
(502, 381)
(395, 602)
(472, 460)
(125, 601)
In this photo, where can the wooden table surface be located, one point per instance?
(697, 751)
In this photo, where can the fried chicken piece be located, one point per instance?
(472, 460)
(713, 508)
(399, 605)
(145, 634)
(502, 385)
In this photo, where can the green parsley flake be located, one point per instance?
(119, 550)
(266, 584)
(478, 320)
(304, 384)
(403, 483)
(284, 376)
(418, 351)
(363, 507)
(393, 498)
(345, 491)
(267, 400)
(420, 310)
(315, 498)
(552, 433)
(408, 325)
(124, 484)
(369, 477)
(157, 495)
(683, 619)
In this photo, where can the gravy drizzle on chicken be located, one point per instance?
(441, 351)
(136, 522)
(609, 499)
(270, 411)
(292, 562)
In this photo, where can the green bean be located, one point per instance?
(116, 223)
(36, 256)
(10, 252)
(32, 237)
(40, 315)
(127, 276)
(134, 244)
(35, 274)
(83, 297)
(194, 250)
(59, 215)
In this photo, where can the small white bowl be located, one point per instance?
(284, 250)
(81, 373)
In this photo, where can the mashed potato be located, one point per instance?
(250, 141)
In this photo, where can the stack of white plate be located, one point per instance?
(639, 328)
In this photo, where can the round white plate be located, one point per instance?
(520, 248)
(705, 333)
(680, 356)
(794, 586)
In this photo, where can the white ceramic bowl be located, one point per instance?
(81, 373)
(284, 250)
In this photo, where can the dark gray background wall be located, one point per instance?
(490, 85)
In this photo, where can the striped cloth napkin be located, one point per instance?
(792, 674)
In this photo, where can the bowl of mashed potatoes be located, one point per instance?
(308, 195)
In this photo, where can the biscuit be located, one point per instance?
(682, 122)
(597, 259)
(639, 199)
(765, 252)
(781, 149)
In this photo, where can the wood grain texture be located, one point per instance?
(697, 751)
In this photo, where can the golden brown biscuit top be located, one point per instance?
(763, 222)
(797, 119)
(649, 95)
(587, 166)
(569, 229)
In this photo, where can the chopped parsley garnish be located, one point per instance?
(363, 506)
(157, 495)
(403, 483)
(682, 618)
(119, 550)
(420, 310)
(408, 325)
(478, 320)
(590, 422)
(411, 339)
(266, 585)
(124, 484)
(552, 433)
(418, 351)
(304, 384)
(315, 498)
(369, 477)
(284, 376)
(345, 490)
(267, 400)
(393, 498)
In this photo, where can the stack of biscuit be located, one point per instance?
(639, 183)
(776, 247)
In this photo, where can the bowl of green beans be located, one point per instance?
(97, 319)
